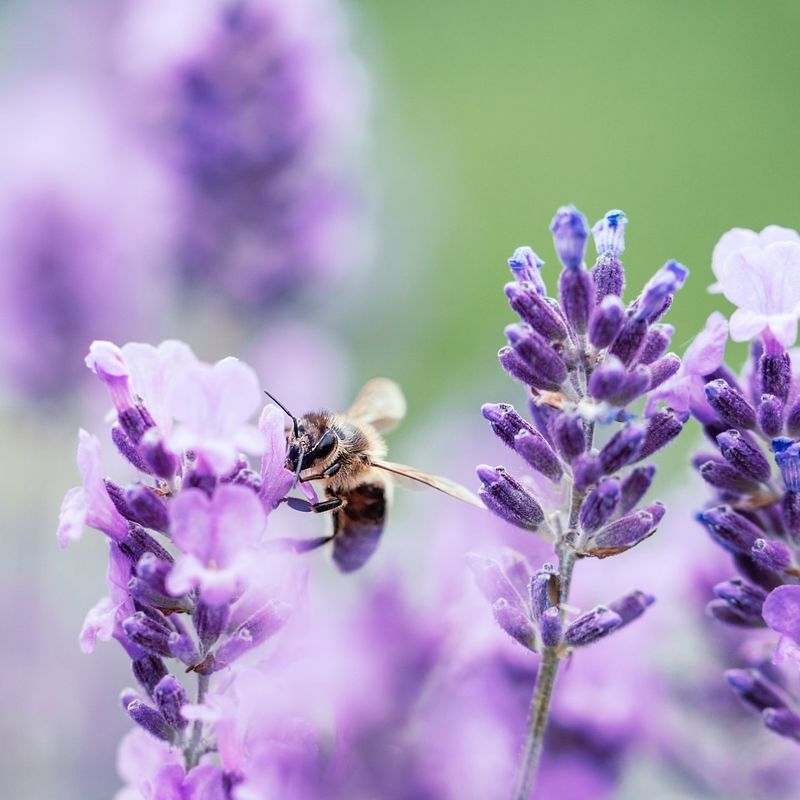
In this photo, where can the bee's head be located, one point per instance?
(312, 443)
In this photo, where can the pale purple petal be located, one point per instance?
(141, 756)
(72, 517)
(730, 242)
(782, 611)
(99, 624)
(746, 324)
(707, 351)
(100, 511)
(276, 480)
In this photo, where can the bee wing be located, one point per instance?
(380, 404)
(412, 478)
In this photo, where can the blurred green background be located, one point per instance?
(491, 115)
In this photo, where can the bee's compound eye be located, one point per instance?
(324, 447)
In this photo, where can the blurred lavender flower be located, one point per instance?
(585, 359)
(755, 473)
(79, 235)
(261, 109)
(191, 576)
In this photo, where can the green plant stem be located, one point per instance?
(192, 753)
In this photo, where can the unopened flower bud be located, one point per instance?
(506, 497)
(591, 626)
(570, 232)
(741, 453)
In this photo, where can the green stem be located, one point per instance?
(543, 693)
(192, 753)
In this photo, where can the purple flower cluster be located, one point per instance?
(261, 109)
(193, 586)
(585, 358)
(754, 422)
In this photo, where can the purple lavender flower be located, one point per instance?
(201, 586)
(261, 109)
(578, 382)
(80, 237)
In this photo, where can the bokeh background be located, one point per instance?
(475, 121)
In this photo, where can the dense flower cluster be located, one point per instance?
(754, 422)
(261, 108)
(191, 578)
(585, 359)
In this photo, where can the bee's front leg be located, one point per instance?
(328, 472)
(301, 504)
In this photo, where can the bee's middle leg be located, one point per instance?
(320, 507)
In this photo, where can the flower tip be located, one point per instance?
(488, 475)
(609, 233)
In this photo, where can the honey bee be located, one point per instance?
(347, 453)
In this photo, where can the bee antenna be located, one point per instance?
(285, 410)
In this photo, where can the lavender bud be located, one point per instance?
(727, 478)
(492, 581)
(738, 451)
(526, 267)
(519, 369)
(532, 447)
(160, 461)
(210, 621)
(149, 670)
(149, 634)
(536, 352)
(771, 555)
(251, 633)
(541, 415)
(609, 233)
(630, 340)
(570, 232)
(149, 509)
(730, 404)
(599, 504)
(723, 612)
(128, 449)
(550, 627)
(606, 321)
(787, 457)
(770, 415)
(537, 310)
(170, 697)
(568, 435)
(793, 420)
(506, 497)
(636, 383)
(150, 719)
(607, 378)
(544, 591)
(631, 605)
(576, 293)
(626, 532)
(660, 430)
(782, 721)
(591, 626)
(663, 369)
(746, 599)
(635, 486)
(117, 495)
(517, 569)
(127, 696)
(150, 588)
(183, 647)
(608, 275)
(505, 421)
(790, 513)
(656, 343)
(621, 449)
(515, 623)
(586, 470)
(730, 529)
(657, 293)
(775, 375)
(200, 478)
(139, 541)
(754, 689)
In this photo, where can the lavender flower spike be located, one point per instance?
(584, 359)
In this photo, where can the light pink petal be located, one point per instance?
(241, 521)
(730, 242)
(745, 280)
(784, 328)
(140, 756)
(747, 324)
(192, 523)
(787, 652)
(105, 359)
(775, 233)
(72, 517)
(276, 480)
(187, 573)
(99, 624)
(249, 439)
(189, 399)
(217, 586)
(238, 391)
(707, 351)
(783, 278)
(100, 511)
(204, 782)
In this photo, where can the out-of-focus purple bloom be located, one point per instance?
(80, 237)
(259, 107)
